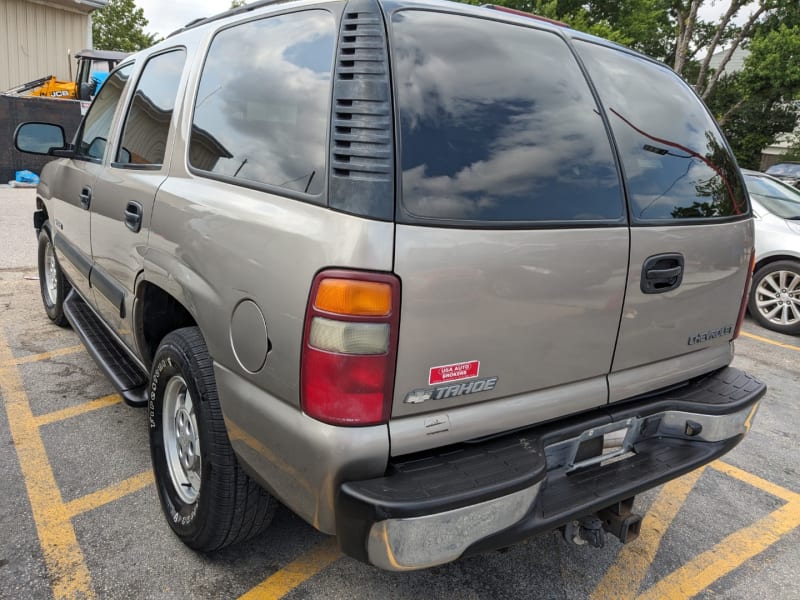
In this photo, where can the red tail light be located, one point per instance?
(743, 306)
(350, 347)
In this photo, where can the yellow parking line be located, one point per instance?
(72, 411)
(625, 576)
(43, 356)
(69, 576)
(769, 341)
(295, 573)
(756, 482)
(109, 494)
(732, 552)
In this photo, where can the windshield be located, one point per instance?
(778, 198)
(785, 170)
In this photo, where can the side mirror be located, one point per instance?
(39, 138)
(86, 90)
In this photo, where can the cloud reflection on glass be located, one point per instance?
(676, 163)
(263, 104)
(498, 124)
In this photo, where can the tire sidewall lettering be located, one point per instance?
(179, 514)
(162, 365)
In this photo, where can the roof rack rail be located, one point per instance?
(228, 13)
(522, 13)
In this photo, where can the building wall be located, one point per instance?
(35, 37)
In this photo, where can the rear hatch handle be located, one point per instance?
(662, 273)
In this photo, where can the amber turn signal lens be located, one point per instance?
(354, 297)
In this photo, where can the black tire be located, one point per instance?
(52, 297)
(227, 506)
(763, 290)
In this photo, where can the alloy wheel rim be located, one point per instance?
(181, 440)
(50, 274)
(778, 297)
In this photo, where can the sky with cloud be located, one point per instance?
(166, 17)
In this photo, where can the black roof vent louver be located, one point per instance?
(362, 147)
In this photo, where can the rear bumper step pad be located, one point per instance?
(434, 507)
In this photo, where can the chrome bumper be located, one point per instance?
(401, 544)
(407, 544)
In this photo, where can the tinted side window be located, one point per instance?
(266, 120)
(144, 137)
(93, 136)
(497, 123)
(676, 163)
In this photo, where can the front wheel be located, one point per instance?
(209, 501)
(775, 296)
(52, 282)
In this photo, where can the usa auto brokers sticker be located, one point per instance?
(449, 374)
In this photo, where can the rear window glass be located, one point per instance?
(265, 119)
(497, 123)
(676, 163)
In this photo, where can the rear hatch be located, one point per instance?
(691, 235)
(518, 262)
(512, 240)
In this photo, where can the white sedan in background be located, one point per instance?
(775, 293)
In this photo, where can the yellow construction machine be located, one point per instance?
(93, 67)
(51, 101)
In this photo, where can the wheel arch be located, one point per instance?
(156, 313)
(773, 258)
(40, 215)
(789, 325)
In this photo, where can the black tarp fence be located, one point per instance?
(20, 109)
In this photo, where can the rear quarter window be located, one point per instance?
(676, 163)
(264, 120)
(497, 124)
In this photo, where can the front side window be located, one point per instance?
(144, 138)
(265, 120)
(676, 163)
(93, 136)
(497, 124)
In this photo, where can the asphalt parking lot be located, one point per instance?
(80, 516)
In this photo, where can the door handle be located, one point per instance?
(662, 273)
(86, 197)
(133, 216)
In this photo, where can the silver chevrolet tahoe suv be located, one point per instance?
(437, 277)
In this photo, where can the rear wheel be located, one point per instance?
(207, 498)
(775, 296)
(52, 282)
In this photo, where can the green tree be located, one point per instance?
(120, 26)
(238, 3)
(644, 25)
(759, 102)
(754, 105)
(793, 153)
